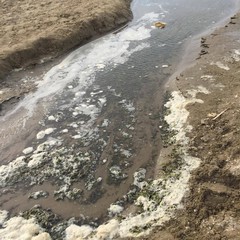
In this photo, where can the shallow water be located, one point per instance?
(101, 105)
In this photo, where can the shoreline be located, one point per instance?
(210, 207)
(192, 48)
(44, 43)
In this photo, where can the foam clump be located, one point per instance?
(18, 228)
(115, 209)
(74, 232)
(42, 236)
(109, 230)
(43, 133)
(7, 171)
(3, 216)
(27, 150)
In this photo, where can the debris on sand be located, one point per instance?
(160, 25)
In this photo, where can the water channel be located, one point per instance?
(94, 119)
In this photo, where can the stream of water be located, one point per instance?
(94, 119)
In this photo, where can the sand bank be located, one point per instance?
(35, 31)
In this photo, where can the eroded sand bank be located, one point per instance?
(31, 31)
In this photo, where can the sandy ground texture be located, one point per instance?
(211, 209)
(32, 31)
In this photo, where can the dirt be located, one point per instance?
(34, 31)
(211, 209)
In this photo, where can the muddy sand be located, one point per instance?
(209, 93)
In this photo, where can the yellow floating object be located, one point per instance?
(160, 24)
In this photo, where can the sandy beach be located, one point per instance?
(195, 193)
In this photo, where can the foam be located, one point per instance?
(36, 159)
(42, 134)
(3, 216)
(221, 65)
(8, 171)
(169, 191)
(27, 150)
(18, 228)
(115, 209)
(74, 232)
(85, 62)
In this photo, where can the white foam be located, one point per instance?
(42, 134)
(221, 65)
(108, 230)
(236, 55)
(42, 236)
(87, 60)
(18, 228)
(74, 232)
(135, 34)
(9, 169)
(170, 190)
(115, 209)
(27, 150)
(49, 131)
(126, 153)
(100, 65)
(36, 160)
(165, 66)
(179, 114)
(105, 123)
(51, 118)
(200, 89)
(65, 131)
(3, 216)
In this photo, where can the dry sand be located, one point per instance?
(31, 30)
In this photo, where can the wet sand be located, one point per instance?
(211, 206)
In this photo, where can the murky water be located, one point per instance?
(94, 119)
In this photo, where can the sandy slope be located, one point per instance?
(31, 29)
